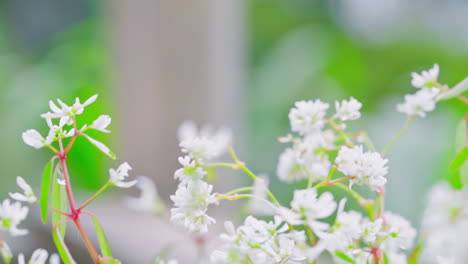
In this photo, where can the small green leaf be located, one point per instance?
(459, 160)
(103, 243)
(461, 141)
(62, 248)
(45, 189)
(344, 257)
(385, 259)
(59, 201)
(458, 89)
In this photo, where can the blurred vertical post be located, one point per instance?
(174, 60)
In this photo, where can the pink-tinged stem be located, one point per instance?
(75, 213)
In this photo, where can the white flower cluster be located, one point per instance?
(363, 240)
(367, 167)
(67, 117)
(39, 256)
(425, 99)
(260, 242)
(445, 225)
(309, 155)
(194, 195)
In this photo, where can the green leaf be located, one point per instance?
(385, 259)
(344, 257)
(459, 160)
(458, 89)
(103, 243)
(62, 248)
(45, 189)
(461, 142)
(59, 201)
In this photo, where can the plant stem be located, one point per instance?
(87, 241)
(403, 130)
(96, 195)
(75, 214)
(238, 190)
(241, 165)
(348, 141)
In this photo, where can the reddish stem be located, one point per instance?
(75, 213)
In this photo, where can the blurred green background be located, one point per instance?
(292, 50)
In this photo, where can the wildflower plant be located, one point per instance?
(321, 151)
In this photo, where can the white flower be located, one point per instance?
(307, 117)
(162, 261)
(288, 168)
(426, 78)
(11, 216)
(27, 195)
(203, 145)
(419, 103)
(39, 256)
(190, 171)
(312, 207)
(348, 110)
(260, 242)
(149, 200)
(371, 230)
(368, 168)
(445, 221)
(191, 202)
(346, 229)
(259, 205)
(313, 159)
(118, 176)
(65, 112)
(401, 234)
(101, 146)
(34, 139)
(101, 123)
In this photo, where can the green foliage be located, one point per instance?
(103, 242)
(62, 248)
(45, 190)
(60, 202)
(344, 257)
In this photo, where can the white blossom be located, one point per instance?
(118, 176)
(204, 144)
(289, 169)
(420, 103)
(445, 221)
(65, 112)
(307, 117)
(34, 139)
(190, 170)
(148, 201)
(348, 110)
(401, 234)
(426, 78)
(367, 167)
(311, 207)
(261, 242)
(11, 215)
(39, 256)
(27, 195)
(101, 123)
(259, 205)
(191, 202)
